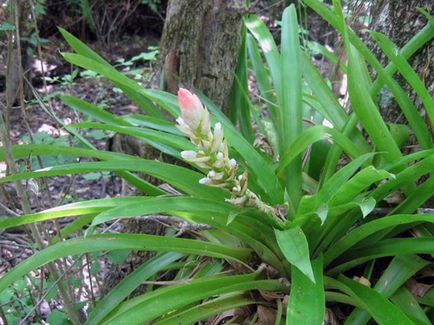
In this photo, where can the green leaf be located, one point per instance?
(122, 290)
(399, 270)
(38, 150)
(367, 205)
(409, 305)
(205, 310)
(386, 247)
(5, 26)
(367, 229)
(57, 317)
(77, 209)
(312, 135)
(405, 69)
(266, 41)
(337, 228)
(87, 14)
(409, 110)
(378, 306)
(181, 178)
(174, 298)
(357, 184)
(205, 211)
(334, 112)
(291, 102)
(132, 89)
(339, 179)
(239, 109)
(165, 142)
(306, 303)
(80, 47)
(294, 246)
(102, 242)
(93, 111)
(262, 77)
(366, 109)
(422, 37)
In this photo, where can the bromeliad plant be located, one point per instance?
(301, 201)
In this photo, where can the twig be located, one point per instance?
(92, 294)
(56, 282)
(9, 210)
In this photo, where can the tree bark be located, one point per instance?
(400, 21)
(200, 45)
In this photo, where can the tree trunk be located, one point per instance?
(400, 21)
(200, 45)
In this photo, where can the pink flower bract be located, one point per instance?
(192, 109)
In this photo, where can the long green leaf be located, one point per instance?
(412, 46)
(338, 228)
(129, 284)
(77, 209)
(93, 111)
(399, 270)
(152, 136)
(386, 247)
(97, 64)
(404, 68)
(408, 108)
(205, 310)
(319, 201)
(258, 29)
(208, 212)
(365, 108)
(378, 306)
(334, 112)
(409, 305)
(363, 231)
(357, 184)
(102, 242)
(294, 246)
(306, 304)
(262, 77)
(239, 103)
(157, 303)
(182, 178)
(291, 101)
(312, 135)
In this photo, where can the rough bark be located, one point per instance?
(400, 21)
(200, 44)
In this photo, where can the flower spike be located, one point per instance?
(213, 154)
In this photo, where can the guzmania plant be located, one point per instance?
(291, 205)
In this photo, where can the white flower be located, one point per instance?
(218, 137)
(205, 181)
(188, 154)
